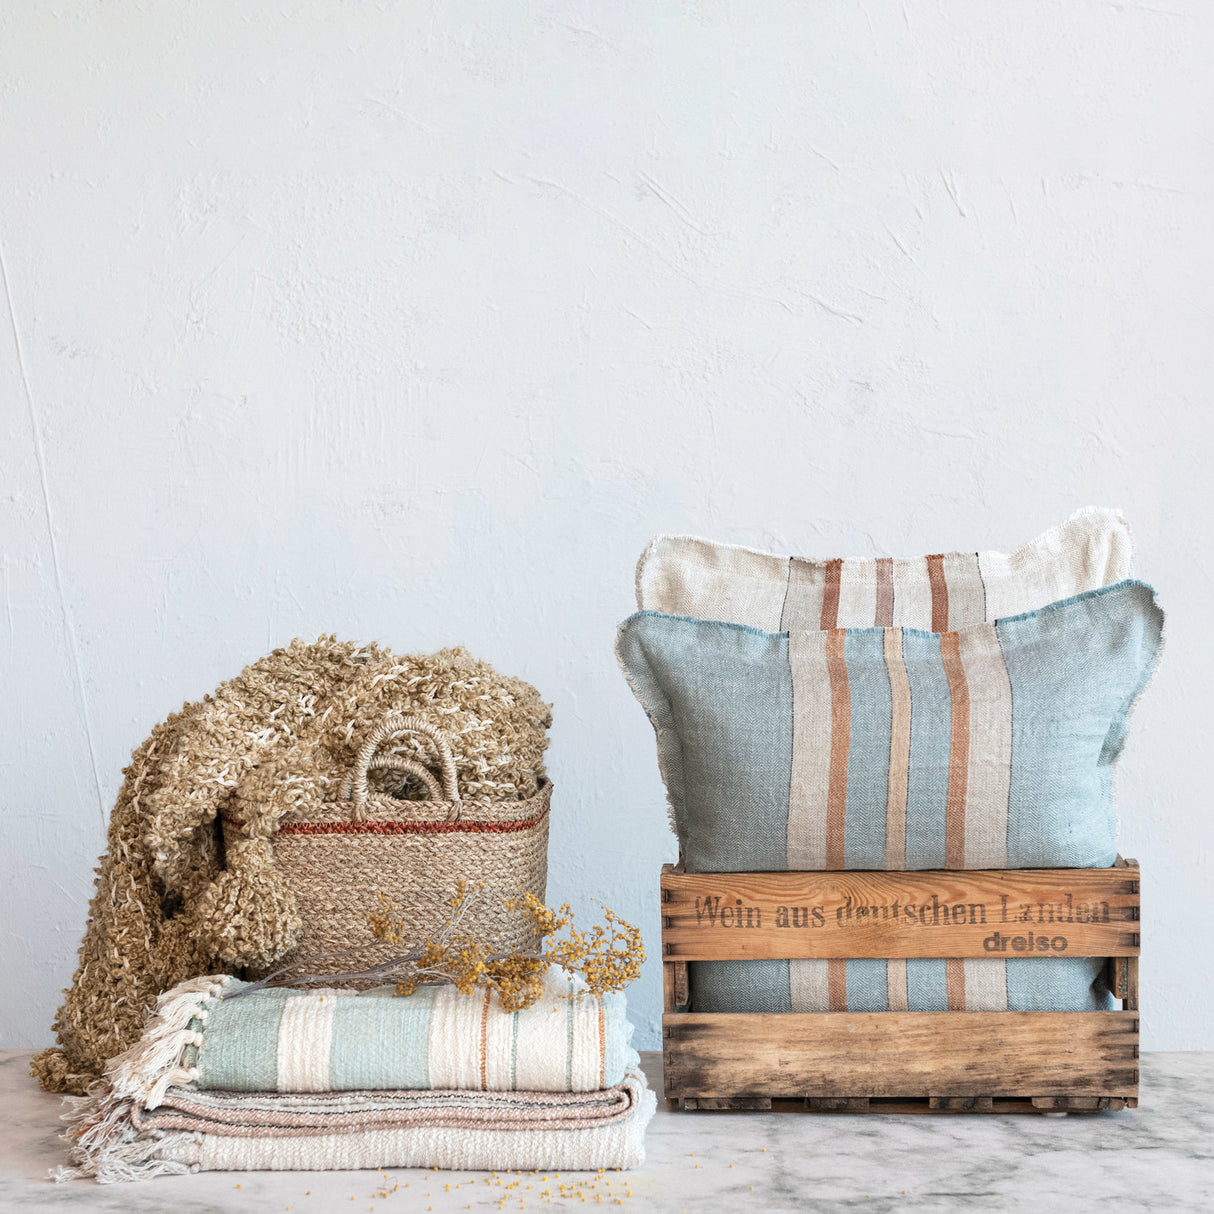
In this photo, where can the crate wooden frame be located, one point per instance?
(995, 1062)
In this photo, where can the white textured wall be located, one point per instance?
(414, 321)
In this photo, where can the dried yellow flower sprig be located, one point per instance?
(608, 957)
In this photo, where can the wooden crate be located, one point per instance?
(902, 1061)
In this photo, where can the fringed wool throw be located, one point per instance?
(207, 1036)
(192, 1131)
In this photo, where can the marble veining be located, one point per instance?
(1158, 1157)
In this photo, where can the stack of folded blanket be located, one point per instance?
(283, 1078)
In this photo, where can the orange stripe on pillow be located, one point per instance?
(958, 753)
(935, 575)
(840, 744)
(830, 595)
(954, 980)
(836, 984)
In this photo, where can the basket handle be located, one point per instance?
(409, 767)
(397, 763)
(392, 726)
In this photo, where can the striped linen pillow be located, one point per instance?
(991, 746)
(682, 575)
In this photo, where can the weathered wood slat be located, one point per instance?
(838, 1104)
(903, 1105)
(1070, 1104)
(902, 1054)
(963, 1104)
(760, 1104)
(937, 1105)
(674, 986)
(1040, 913)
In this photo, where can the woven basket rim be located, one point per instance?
(473, 812)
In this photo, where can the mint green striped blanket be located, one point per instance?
(289, 1040)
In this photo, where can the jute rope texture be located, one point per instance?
(335, 862)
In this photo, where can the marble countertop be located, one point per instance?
(1157, 1157)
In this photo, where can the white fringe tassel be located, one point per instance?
(102, 1141)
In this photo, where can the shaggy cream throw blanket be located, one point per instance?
(280, 736)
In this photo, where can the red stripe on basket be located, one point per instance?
(398, 828)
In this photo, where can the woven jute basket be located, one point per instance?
(336, 860)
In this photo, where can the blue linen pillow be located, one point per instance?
(886, 748)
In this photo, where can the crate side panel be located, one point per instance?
(904, 1054)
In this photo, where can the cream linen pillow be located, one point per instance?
(683, 575)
